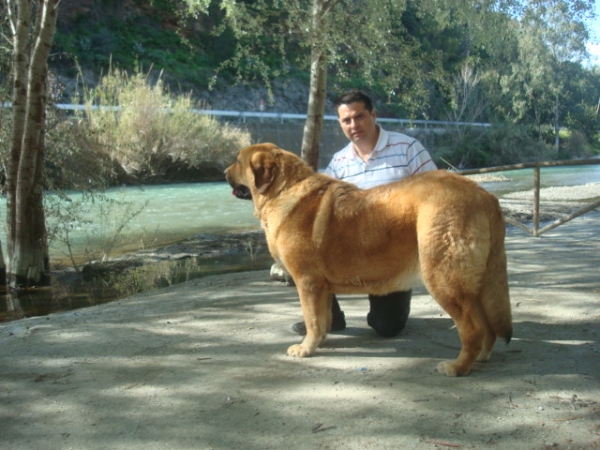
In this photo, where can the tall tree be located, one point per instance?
(358, 39)
(551, 35)
(313, 127)
(5, 69)
(32, 25)
(369, 41)
(565, 34)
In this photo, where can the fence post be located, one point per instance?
(536, 200)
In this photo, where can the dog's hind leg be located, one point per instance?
(488, 345)
(316, 304)
(474, 334)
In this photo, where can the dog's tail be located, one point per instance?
(495, 294)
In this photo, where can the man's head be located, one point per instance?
(354, 96)
(357, 118)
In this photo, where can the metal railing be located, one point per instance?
(535, 228)
(243, 116)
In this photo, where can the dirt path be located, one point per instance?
(202, 365)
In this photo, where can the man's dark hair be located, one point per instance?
(354, 97)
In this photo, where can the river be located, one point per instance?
(176, 212)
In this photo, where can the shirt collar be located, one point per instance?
(381, 141)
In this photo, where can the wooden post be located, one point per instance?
(577, 213)
(536, 200)
(535, 231)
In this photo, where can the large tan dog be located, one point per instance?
(335, 238)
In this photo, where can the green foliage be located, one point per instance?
(137, 40)
(71, 162)
(5, 48)
(151, 276)
(491, 146)
(594, 145)
(146, 130)
(575, 146)
(406, 53)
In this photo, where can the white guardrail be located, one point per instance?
(243, 115)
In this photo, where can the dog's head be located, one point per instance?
(263, 169)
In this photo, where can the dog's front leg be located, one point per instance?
(316, 309)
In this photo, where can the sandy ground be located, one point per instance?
(202, 365)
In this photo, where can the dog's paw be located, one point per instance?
(450, 369)
(298, 351)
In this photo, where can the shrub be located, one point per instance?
(147, 131)
(497, 145)
(71, 162)
(575, 145)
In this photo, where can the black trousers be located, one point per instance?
(387, 314)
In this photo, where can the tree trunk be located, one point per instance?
(26, 228)
(2, 267)
(19, 15)
(313, 127)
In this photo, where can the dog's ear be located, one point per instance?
(264, 168)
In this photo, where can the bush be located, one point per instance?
(147, 131)
(500, 144)
(71, 162)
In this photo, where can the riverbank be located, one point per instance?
(202, 365)
(555, 202)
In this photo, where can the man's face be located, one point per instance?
(357, 123)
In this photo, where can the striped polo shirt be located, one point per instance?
(395, 157)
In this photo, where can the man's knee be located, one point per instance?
(388, 313)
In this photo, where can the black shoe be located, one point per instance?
(300, 328)
(338, 323)
(338, 319)
(389, 313)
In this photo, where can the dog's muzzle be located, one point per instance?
(239, 190)
(242, 192)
